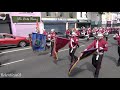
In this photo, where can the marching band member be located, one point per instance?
(52, 34)
(88, 33)
(72, 48)
(48, 42)
(77, 32)
(101, 46)
(67, 33)
(44, 32)
(117, 37)
(106, 33)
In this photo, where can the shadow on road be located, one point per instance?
(111, 58)
(77, 70)
(3, 59)
(62, 59)
(41, 52)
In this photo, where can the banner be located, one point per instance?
(58, 44)
(38, 42)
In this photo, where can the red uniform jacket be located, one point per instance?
(74, 41)
(53, 34)
(78, 33)
(118, 39)
(45, 33)
(67, 32)
(88, 31)
(103, 30)
(102, 43)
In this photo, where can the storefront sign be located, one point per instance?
(22, 19)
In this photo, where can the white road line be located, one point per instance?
(15, 50)
(12, 62)
(24, 59)
(63, 50)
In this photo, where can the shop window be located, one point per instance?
(71, 14)
(81, 14)
(48, 14)
(61, 14)
(86, 15)
(7, 36)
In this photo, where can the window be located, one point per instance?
(71, 14)
(7, 36)
(1, 36)
(48, 14)
(61, 14)
(81, 14)
(86, 14)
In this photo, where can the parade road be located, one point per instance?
(24, 63)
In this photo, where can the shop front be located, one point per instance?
(85, 23)
(5, 24)
(58, 25)
(23, 23)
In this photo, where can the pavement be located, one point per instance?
(24, 63)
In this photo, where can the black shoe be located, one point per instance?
(0, 64)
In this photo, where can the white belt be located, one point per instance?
(97, 57)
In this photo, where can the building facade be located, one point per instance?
(60, 21)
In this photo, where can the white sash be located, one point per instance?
(72, 45)
(97, 50)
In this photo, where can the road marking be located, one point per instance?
(12, 62)
(15, 50)
(24, 59)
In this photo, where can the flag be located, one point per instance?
(58, 44)
(41, 27)
(38, 42)
(88, 53)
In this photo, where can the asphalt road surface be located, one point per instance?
(24, 63)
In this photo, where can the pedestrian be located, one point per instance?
(101, 46)
(72, 48)
(52, 34)
(117, 37)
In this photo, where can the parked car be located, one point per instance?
(9, 40)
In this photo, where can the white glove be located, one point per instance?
(101, 48)
(85, 50)
(114, 36)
